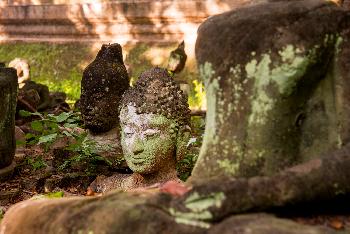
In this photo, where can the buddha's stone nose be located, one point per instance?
(137, 146)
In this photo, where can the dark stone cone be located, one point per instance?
(103, 84)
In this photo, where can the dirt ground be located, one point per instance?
(36, 176)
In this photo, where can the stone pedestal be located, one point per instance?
(8, 100)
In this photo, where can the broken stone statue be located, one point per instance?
(30, 90)
(8, 100)
(23, 70)
(177, 59)
(103, 83)
(154, 120)
(277, 125)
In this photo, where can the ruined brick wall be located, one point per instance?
(123, 21)
(346, 4)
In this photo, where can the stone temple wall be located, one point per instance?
(107, 21)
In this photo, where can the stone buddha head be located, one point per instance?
(154, 120)
(103, 83)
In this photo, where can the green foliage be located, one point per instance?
(137, 60)
(36, 163)
(85, 151)
(1, 214)
(197, 127)
(185, 166)
(50, 128)
(196, 98)
(59, 66)
(55, 195)
(52, 195)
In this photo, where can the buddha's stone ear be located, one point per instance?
(182, 139)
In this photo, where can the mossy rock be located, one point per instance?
(275, 75)
(8, 100)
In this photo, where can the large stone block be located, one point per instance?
(8, 100)
(276, 76)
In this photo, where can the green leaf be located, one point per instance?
(70, 125)
(38, 164)
(47, 138)
(24, 113)
(62, 117)
(71, 120)
(29, 136)
(37, 126)
(67, 133)
(53, 126)
(65, 164)
(55, 195)
(20, 143)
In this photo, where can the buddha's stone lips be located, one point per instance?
(137, 160)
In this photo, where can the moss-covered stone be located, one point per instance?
(265, 224)
(275, 94)
(154, 120)
(104, 82)
(8, 100)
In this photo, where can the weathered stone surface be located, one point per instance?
(108, 146)
(264, 224)
(42, 90)
(327, 176)
(276, 77)
(104, 81)
(206, 208)
(177, 59)
(205, 205)
(113, 213)
(8, 99)
(7, 172)
(23, 70)
(346, 4)
(154, 120)
(122, 21)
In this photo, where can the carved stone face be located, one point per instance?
(148, 141)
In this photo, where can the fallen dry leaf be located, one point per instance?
(336, 224)
(89, 192)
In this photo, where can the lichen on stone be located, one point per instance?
(199, 203)
(192, 218)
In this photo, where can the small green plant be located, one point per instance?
(49, 128)
(59, 66)
(1, 214)
(52, 195)
(196, 98)
(185, 166)
(36, 163)
(85, 150)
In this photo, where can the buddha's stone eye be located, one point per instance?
(151, 133)
(128, 132)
